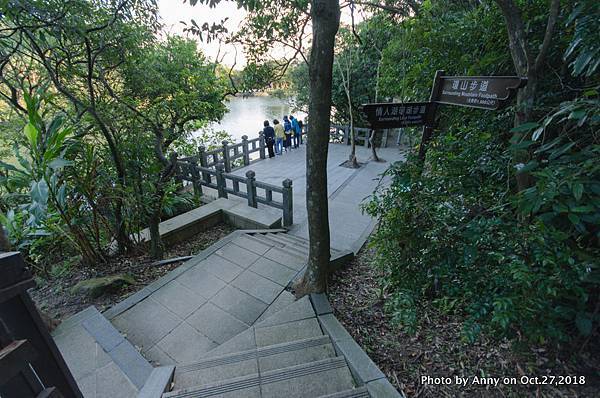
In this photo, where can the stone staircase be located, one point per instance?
(224, 325)
(286, 354)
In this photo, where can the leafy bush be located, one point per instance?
(515, 264)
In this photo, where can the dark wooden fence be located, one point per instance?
(30, 363)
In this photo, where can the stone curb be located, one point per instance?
(122, 353)
(158, 382)
(364, 370)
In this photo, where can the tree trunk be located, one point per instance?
(325, 23)
(374, 156)
(526, 65)
(156, 245)
(4, 243)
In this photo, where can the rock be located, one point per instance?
(96, 287)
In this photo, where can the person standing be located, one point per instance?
(287, 127)
(301, 125)
(279, 136)
(295, 131)
(269, 134)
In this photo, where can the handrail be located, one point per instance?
(188, 170)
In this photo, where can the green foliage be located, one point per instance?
(454, 231)
(584, 50)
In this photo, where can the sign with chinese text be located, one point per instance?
(393, 115)
(484, 92)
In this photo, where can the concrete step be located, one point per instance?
(295, 321)
(285, 238)
(249, 362)
(286, 246)
(360, 392)
(292, 238)
(306, 380)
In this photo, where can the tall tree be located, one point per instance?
(325, 16)
(167, 86)
(79, 46)
(528, 64)
(283, 22)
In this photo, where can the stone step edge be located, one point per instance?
(360, 392)
(258, 324)
(364, 370)
(289, 241)
(278, 244)
(129, 361)
(300, 255)
(256, 380)
(252, 354)
(159, 381)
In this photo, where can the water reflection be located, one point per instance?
(246, 115)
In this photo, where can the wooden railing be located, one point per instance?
(340, 134)
(226, 184)
(30, 363)
(231, 155)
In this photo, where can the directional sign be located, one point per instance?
(484, 92)
(393, 115)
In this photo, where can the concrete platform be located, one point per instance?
(347, 189)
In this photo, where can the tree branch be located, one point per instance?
(552, 17)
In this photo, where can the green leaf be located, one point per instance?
(39, 191)
(577, 190)
(59, 163)
(8, 167)
(524, 127)
(584, 324)
(32, 135)
(582, 209)
(573, 218)
(528, 167)
(536, 134)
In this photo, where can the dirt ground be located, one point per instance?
(437, 349)
(54, 298)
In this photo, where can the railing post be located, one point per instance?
(226, 158)
(245, 150)
(261, 142)
(251, 188)
(221, 183)
(20, 320)
(203, 163)
(178, 179)
(196, 181)
(288, 205)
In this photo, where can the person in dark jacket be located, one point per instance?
(287, 127)
(301, 124)
(269, 134)
(295, 131)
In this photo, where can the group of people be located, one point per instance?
(282, 136)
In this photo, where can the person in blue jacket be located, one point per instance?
(295, 131)
(287, 127)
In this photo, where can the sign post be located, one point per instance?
(481, 92)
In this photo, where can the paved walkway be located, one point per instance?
(347, 188)
(211, 298)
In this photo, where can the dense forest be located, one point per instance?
(461, 230)
(499, 222)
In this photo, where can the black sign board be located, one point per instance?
(393, 115)
(484, 92)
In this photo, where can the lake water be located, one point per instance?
(246, 115)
